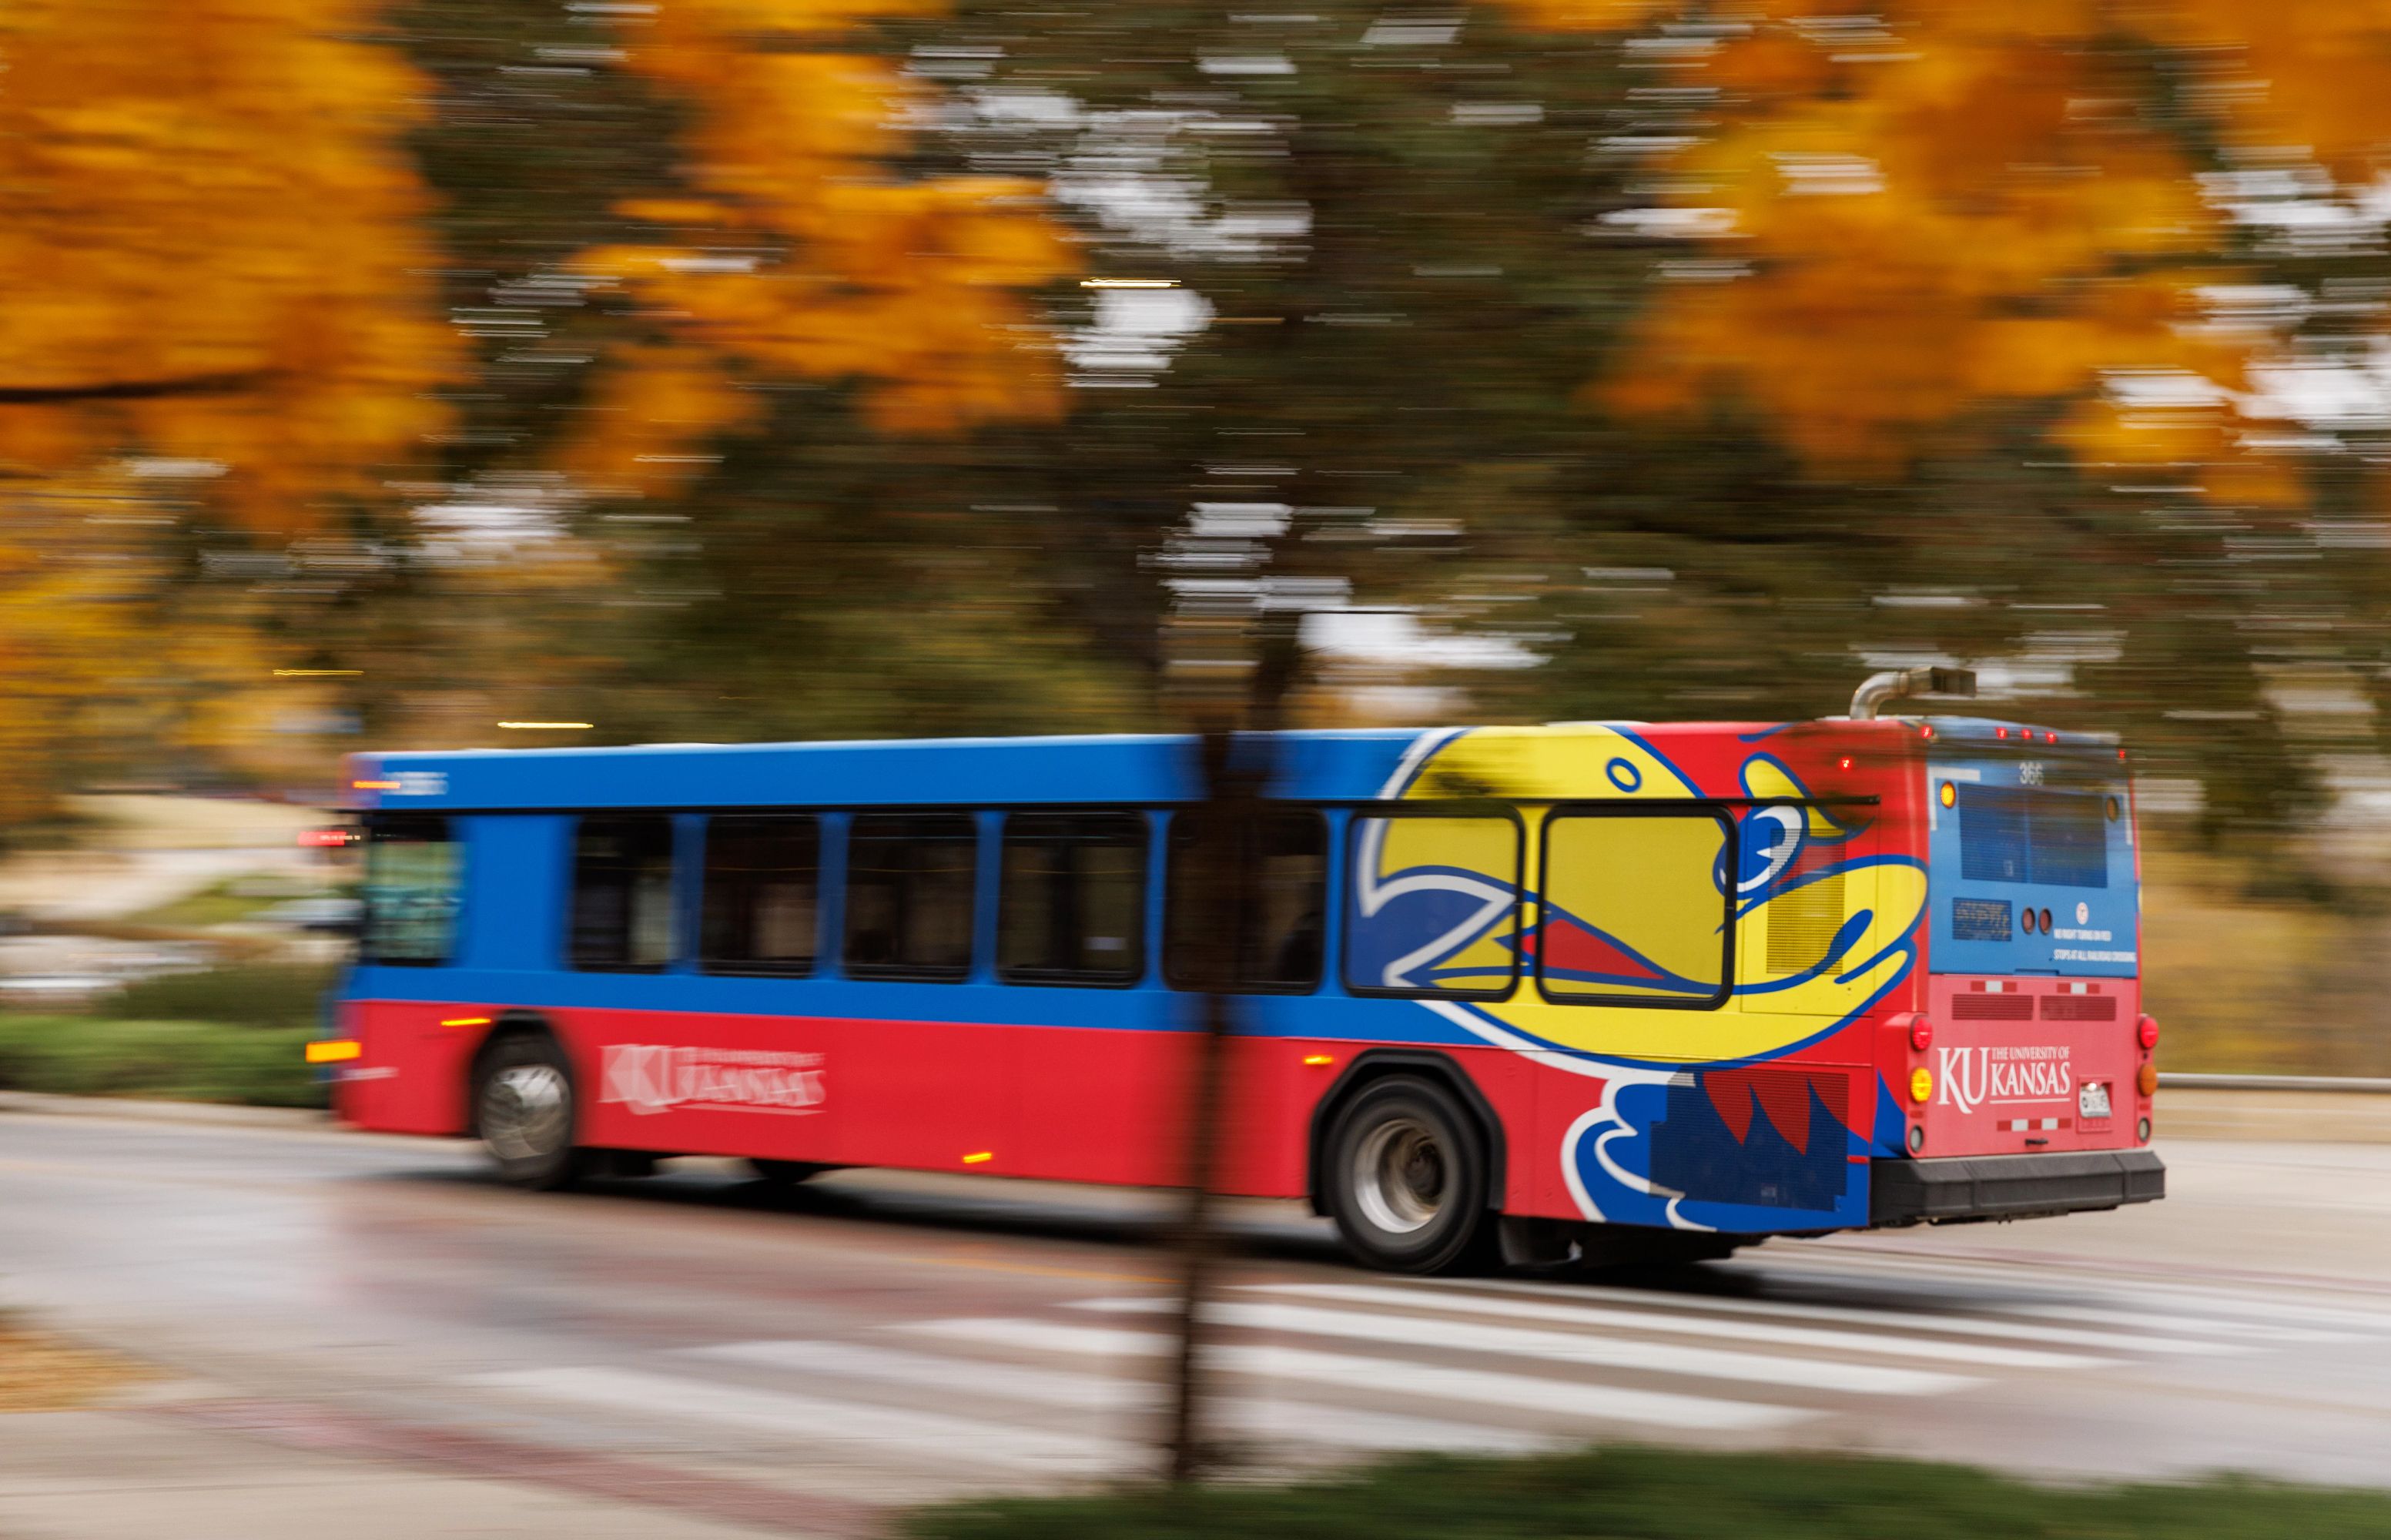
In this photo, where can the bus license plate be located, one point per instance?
(2092, 1100)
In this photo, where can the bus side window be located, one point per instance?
(413, 879)
(622, 892)
(910, 881)
(1071, 906)
(1281, 877)
(1636, 910)
(759, 903)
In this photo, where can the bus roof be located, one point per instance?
(1322, 764)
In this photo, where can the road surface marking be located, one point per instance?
(811, 1418)
(2244, 1331)
(1920, 1320)
(1691, 1326)
(1274, 1418)
(1390, 1376)
(1809, 1373)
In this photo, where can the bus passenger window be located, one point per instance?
(1281, 876)
(413, 880)
(1433, 909)
(1637, 909)
(909, 880)
(1071, 909)
(759, 910)
(622, 892)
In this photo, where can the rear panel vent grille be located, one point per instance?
(2079, 1007)
(1802, 921)
(1992, 1007)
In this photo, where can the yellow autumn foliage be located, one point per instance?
(213, 247)
(105, 667)
(1937, 204)
(911, 289)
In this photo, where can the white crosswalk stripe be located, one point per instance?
(1559, 1347)
(1695, 1325)
(1392, 1376)
(814, 1418)
(1923, 1320)
(1344, 1367)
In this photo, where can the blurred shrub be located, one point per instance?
(1669, 1494)
(189, 1061)
(256, 994)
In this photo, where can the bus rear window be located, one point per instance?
(2032, 834)
(412, 883)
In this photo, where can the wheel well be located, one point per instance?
(509, 1024)
(1377, 1064)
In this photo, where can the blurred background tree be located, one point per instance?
(722, 368)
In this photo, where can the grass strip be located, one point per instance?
(1640, 1493)
(187, 1061)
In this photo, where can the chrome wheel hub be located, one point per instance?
(1401, 1176)
(526, 1112)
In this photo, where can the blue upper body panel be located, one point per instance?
(987, 771)
(2038, 822)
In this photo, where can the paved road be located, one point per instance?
(363, 1333)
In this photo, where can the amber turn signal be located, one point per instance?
(1921, 1084)
(2146, 1080)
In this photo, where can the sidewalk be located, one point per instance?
(146, 1473)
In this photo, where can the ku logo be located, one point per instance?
(2012, 1072)
(649, 1078)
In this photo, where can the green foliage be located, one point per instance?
(187, 1061)
(214, 905)
(1658, 1494)
(246, 995)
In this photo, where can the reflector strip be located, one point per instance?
(335, 1050)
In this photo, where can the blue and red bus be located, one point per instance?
(1576, 990)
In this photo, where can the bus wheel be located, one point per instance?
(522, 1106)
(1406, 1178)
(786, 1173)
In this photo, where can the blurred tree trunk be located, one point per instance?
(1234, 769)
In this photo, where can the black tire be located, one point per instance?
(785, 1174)
(525, 1109)
(1405, 1179)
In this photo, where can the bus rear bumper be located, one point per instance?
(2011, 1186)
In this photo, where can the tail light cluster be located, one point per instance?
(1918, 1031)
(2146, 1078)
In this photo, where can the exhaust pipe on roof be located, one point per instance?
(1897, 683)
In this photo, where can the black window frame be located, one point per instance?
(375, 823)
(1174, 975)
(750, 968)
(1129, 819)
(674, 948)
(1355, 818)
(1720, 813)
(964, 820)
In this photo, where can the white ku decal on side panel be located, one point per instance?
(660, 1077)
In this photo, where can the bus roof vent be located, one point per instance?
(1897, 683)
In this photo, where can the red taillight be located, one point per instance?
(326, 839)
(1921, 1034)
(2147, 1031)
(2000, 732)
(2050, 737)
(1843, 763)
